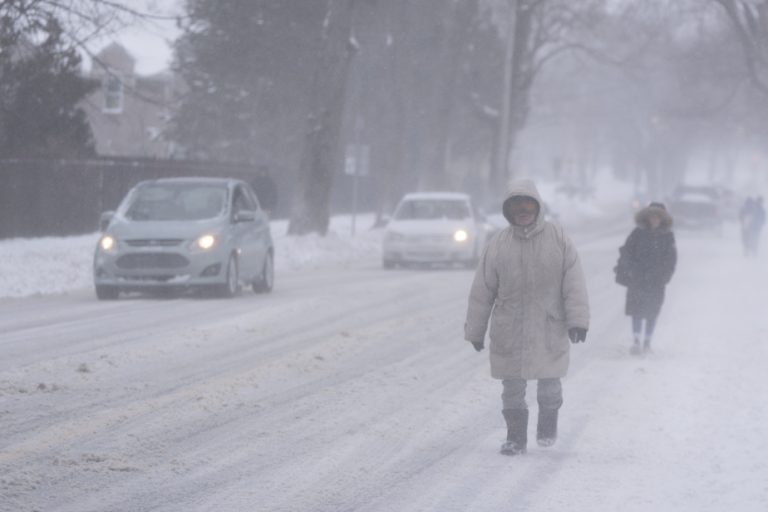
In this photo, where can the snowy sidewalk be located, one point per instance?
(684, 428)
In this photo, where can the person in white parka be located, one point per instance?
(530, 285)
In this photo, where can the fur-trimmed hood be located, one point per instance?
(642, 218)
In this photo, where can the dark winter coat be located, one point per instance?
(529, 284)
(649, 257)
(266, 191)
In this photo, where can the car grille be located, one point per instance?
(148, 279)
(154, 242)
(428, 238)
(151, 260)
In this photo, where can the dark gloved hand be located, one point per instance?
(479, 345)
(577, 334)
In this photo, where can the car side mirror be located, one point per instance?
(105, 219)
(382, 221)
(245, 216)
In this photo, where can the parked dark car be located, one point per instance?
(185, 233)
(696, 207)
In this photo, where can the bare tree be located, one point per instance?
(660, 83)
(750, 21)
(81, 20)
(536, 31)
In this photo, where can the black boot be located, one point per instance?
(517, 431)
(546, 430)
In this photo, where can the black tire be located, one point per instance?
(231, 286)
(107, 292)
(266, 281)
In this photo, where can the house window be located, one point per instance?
(113, 94)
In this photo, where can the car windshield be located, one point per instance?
(695, 197)
(418, 209)
(703, 191)
(175, 201)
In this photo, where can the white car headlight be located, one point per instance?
(205, 242)
(107, 243)
(460, 236)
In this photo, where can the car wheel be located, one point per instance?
(266, 281)
(107, 292)
(388, 264)
(232, 285)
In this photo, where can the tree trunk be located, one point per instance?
(321, 155)
(457, 26)
(391, 178)
(522, 57)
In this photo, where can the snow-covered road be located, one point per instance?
(350, 389)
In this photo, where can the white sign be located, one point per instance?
(356, 160)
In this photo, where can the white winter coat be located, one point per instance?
(530, 284)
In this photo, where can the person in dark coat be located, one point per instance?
(752, 219)
(265, 189)
(757, 224)
(649, 257)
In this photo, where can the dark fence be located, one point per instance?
(66, 197)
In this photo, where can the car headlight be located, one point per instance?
(460, 236)
(107, 243)
(205, 242)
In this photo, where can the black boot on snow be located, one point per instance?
(546, 430)
(517, 431)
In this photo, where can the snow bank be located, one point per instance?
(51, 265)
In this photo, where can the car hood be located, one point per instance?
(125, 229)
(429, 227)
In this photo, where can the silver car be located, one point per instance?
(185, 233)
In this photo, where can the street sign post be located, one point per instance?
(356, 164)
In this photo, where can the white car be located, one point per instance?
(433, 227)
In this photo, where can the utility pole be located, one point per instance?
(502, 157)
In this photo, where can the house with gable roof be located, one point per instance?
(128, 112)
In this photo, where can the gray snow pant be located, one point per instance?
(549, 394)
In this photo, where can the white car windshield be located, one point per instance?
(175, 201)
(419, 209)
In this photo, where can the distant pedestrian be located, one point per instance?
(265, 188)
(745, 218)
(752, 220)
(647, 261)
(757, 224)
(529, 283)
